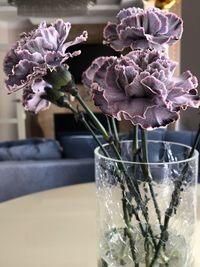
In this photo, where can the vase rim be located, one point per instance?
(195, 155)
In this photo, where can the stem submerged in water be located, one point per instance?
(147, 173)
(175, 197)
(121, 167)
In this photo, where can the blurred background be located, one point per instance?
(17, 16)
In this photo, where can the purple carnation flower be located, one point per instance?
(34, 98)
(139, 87)
(140, 29)
(34, 54)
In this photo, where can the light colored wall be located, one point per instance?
(190, 55)
(7, 108)
(10, 28)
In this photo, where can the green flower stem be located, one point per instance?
(196, 141)
(115, 133)
(137, 196)
(81, 117)
(108, 124)
(92, 117)
(144, 145)
(102, 263)
(135, 150)
(95, 137)
(132, 246)
(135, 141)
(128, 181)
(128, 229)
(148, 175)
(146, 248)
(126, 216)
(109, 140)
(174, 202)
(124, 204)
(134, 211)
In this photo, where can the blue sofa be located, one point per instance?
(84, 145)
(33, 165)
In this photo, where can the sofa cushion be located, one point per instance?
(30, 149)
(18, 178)
(78, 146)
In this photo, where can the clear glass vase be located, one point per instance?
(146, 212)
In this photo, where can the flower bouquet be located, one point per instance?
(145, 188)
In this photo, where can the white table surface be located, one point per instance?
(54, 228)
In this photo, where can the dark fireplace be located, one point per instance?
(77, 65)
(65, 124)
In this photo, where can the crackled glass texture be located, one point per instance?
(146, 220)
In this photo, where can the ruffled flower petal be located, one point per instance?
(44, 48)
(18, 79)
(33, 98)
(111, 37)
(140, 87)
(183, 92)
(139, 29)
(82, 38)
(33, 56)
(63, 30)
(155, 117)
(88, 75)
